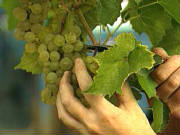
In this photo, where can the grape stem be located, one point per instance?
(86, 26)
(110, 34)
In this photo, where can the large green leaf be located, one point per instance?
(9, 5)
(147, 83)
(101, 12)
(117, 63)
(160, 115)
(149, 18)
(29, 62)
(108, 11)
(171, 41)
(172, 7)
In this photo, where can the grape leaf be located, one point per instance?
(160, 115)
(171, 41)
(9, 5)
(147, 83)
(29, 63)
(108, 11)
(135, 86)
(101, 11)
(152, 20)
(117, 63)
(172, 7)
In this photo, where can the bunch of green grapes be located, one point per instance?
(52, 32)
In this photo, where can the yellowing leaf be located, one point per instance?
(29, 62)
(117, 63)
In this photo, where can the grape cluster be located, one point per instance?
(40, 25)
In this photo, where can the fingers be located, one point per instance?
(84, 80)
(161, 52)
(174, 101)
(67, 119)
(126, 99)
(83, 77)
(167, 88)
(72, 105)
(161, 73)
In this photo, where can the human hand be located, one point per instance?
(102, 118)
(167, 76)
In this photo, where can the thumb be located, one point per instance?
(161, 52)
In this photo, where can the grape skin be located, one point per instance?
(78, 46)
(30, 48)
(44, 56)
(66, 64)
(29, 37)
(51, 77)
(20, 14)
(70, 38)
(68, 48)
(36, 8)
(42, 47)
(19, 34)
(54, 56)
(59, 41)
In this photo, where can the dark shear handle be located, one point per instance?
(98, 48)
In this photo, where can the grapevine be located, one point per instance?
(57, 42)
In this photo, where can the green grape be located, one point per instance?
(76, 29)
(24, 25)
(36, 8)
(68, 48)
(52, 47)
(36, 28)
(42, 34)
(46, 96)
(35, 18)
(30, 48)
(20, 14)
(24, 3)
(54, 89)
(93, 67)
(48, 38)
(70, 38)
(54, 56)
(42, 47)
(46, 70)
(51, 78)
(19, 34)
(76, 55)
(78, 46)
(29, 37)
(59, 41)
(69, 55)
(54, 66)
(59, 73)
(89, 59)
(44, 56)
(66, 64)
(46, 63)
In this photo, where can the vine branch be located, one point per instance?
(110, 34)
(86, 26)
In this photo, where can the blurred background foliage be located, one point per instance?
(21, 110)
